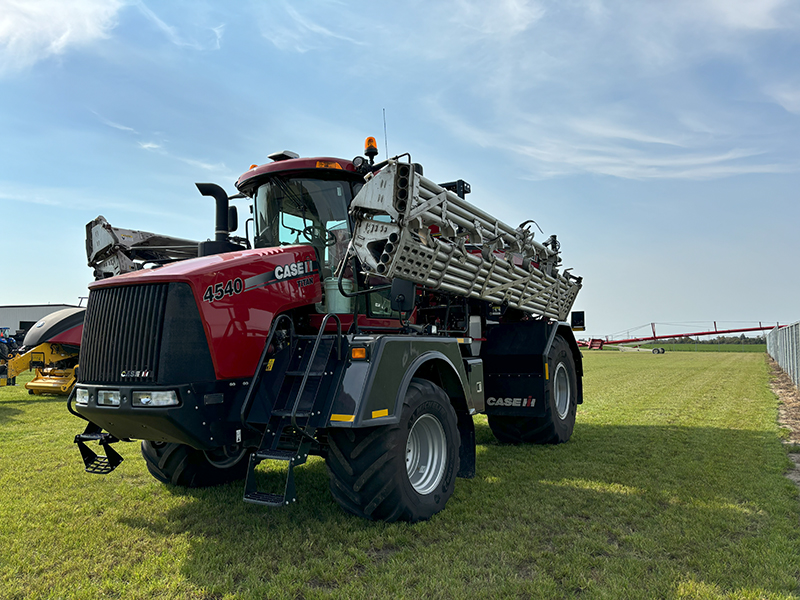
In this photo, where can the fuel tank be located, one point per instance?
(161, 325)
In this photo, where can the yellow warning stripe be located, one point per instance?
(380, 413)
(345, 418)
(546, 371)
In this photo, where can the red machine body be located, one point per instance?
(238, 295)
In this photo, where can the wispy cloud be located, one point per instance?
(289, 29)
(33, 31)
(170, 32)
(788, 96)
(76, 199)
(606, 130)
(219, 169)
(219, 30)
(113, 124)
(500, 18)
(175, 36)
(620, 89)
(552, 148)
(746, 14)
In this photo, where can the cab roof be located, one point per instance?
(326, 163)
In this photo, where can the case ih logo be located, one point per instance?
(232, 287)
(128, 374)
(294, 269)
(528, 402)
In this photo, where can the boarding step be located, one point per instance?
(265, 499)
(92, 462)
(251, 492)
(277, 455)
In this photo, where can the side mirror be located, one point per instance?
(233, 219)
(403, 295)
(578, 321)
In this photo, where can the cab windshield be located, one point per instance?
(300, 210)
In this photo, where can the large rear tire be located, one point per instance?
(403, 472)
(179, 464)
(556, 425)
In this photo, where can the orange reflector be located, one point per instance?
(358, 353)
(328, 164)
(546, 371)
(380, 413)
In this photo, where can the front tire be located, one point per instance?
(556, 425)
(404, 471)
(179, 464)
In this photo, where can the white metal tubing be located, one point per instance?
(466, 210)
(467, 277)
(444, 264)
(434, 216)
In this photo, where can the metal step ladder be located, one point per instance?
(308, 388)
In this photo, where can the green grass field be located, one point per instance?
(672, 487)
(757, 348)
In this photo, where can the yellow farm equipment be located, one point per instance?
(54, 364)
(51, 348)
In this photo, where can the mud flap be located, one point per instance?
(466, 452)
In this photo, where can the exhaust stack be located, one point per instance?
(221, 241)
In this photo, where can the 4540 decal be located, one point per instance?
(219, 290)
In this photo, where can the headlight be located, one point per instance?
(108, 398)
(156, 398)
(82, 397)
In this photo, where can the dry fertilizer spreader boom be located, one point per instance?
(113, 250)
(407, 226)
(376, 314)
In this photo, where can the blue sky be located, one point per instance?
(659, 141)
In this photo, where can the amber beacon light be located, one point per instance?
(371, 148)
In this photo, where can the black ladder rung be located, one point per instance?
(275, 454)
(300, 414)
(301, 373)
(265, 499)
(312, 337)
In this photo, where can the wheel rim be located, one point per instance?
(426, 454)
(221, 459)
(562, 391)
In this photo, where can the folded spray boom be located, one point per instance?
(408, 227)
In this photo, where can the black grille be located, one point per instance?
(122, 334)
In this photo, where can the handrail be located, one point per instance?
(248, 399)
(311, 363)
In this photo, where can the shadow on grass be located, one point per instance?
(651, 506)
(31, 399)
(7, 413)
(8, 406)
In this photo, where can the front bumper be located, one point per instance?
(206, 417)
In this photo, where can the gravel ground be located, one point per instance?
(788, 414)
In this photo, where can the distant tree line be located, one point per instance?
(722, 339)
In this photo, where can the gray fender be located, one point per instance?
(453, 386)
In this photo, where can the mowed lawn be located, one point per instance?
(672, 487)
